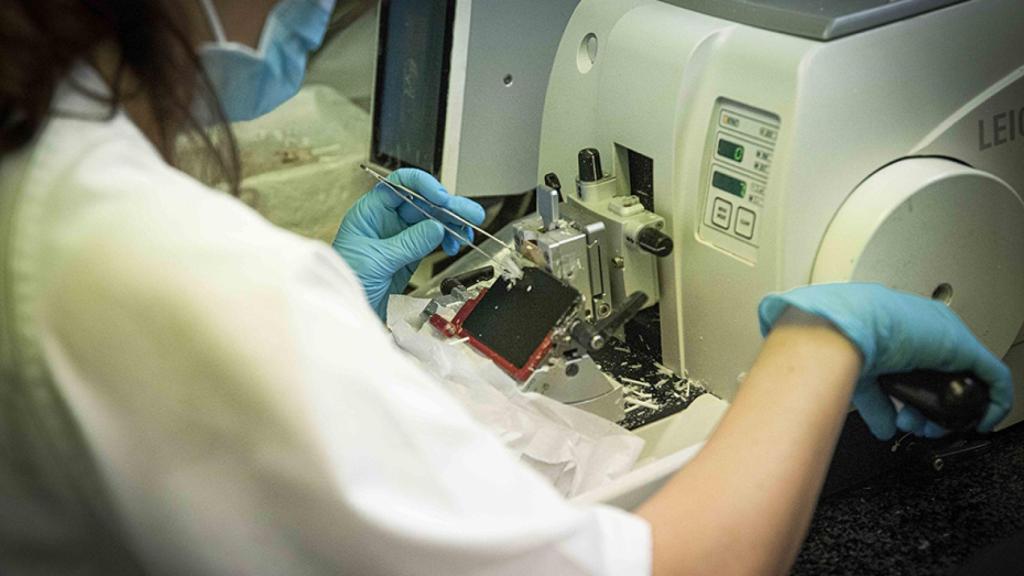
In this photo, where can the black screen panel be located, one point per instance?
(411, 93)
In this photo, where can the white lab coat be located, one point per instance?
(199, 392)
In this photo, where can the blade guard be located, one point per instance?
(454, 329)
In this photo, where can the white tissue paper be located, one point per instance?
(575, 450)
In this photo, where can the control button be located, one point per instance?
(625, 206)
(721, 213)
(745, 220)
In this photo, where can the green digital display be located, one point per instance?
(730, 150)
(733, 186)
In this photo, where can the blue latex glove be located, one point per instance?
(898, 332)
(383, 238)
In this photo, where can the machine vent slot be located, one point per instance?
(641, 177)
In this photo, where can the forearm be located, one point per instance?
(743, 505)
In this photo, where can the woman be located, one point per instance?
(188, 390)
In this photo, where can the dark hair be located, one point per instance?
(42, 40)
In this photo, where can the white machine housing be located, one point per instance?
(893, 153)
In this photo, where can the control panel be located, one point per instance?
(739, 161)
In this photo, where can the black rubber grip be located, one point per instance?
(466, 279)
(589, 160)
(957, 402)
(655, 242)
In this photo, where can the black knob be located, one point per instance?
(655, 241)
(956, 402)
(590, 165)
(551, 181)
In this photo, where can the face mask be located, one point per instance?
(250, 83)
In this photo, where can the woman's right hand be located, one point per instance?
(898, 332)
(383, 238)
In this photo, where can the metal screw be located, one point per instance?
(956, 388)
(618, 262)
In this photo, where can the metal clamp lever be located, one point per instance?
(593, 337)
